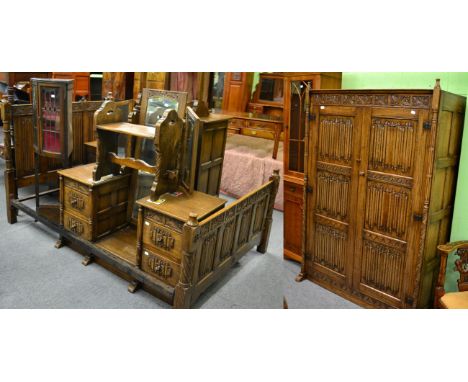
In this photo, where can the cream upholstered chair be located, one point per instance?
(453, 300)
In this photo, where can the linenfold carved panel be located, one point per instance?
(228, 239)
(387, 209)
(330, 247)
(335, 139)
(333, 195)
(245, 226)
(382, 267)
(259, 215)
(208, 254)
(392, 145)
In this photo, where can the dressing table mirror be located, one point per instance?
(154, 103)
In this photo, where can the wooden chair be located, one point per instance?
(453, 300)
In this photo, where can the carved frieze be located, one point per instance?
(361, 99)
(391, 179)
(77, 186)
(167, 221)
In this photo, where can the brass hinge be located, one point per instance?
(427, 125)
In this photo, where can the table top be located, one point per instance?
(181, 205)
(131, 129)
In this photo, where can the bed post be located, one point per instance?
(182, 293)
(262, 247)
(10, 186)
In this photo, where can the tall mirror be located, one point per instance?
(154, 103)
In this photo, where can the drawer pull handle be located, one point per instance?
(76, 202)
(162, 239)
(160, 267)
(75, 226)
(292, 189)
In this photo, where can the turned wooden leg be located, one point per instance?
(134, 286)
(87, 260)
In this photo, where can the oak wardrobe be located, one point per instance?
(380, 179)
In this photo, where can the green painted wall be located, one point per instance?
(452, 82)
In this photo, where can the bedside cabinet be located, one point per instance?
(92, 209)
(159, 232)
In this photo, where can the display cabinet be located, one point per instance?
(295, 87)
(52, 118)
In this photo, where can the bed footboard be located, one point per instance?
(210, 248)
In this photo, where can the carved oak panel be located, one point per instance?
(391, 145)
(335, 139)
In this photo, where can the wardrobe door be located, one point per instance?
(390, 192)
(332, 183)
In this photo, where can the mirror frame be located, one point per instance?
(180, 97)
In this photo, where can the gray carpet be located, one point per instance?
(34, 274)
(307, 295)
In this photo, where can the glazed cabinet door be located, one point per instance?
(389, 203)
(332, 183)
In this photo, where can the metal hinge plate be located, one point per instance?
(418, 217)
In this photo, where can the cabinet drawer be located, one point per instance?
(261, 125)
(77, 226)
(160, 267)
(236, 123)
(77, 202)
(258, 133)
(69, 183)
(163, 239)
(293, 190)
